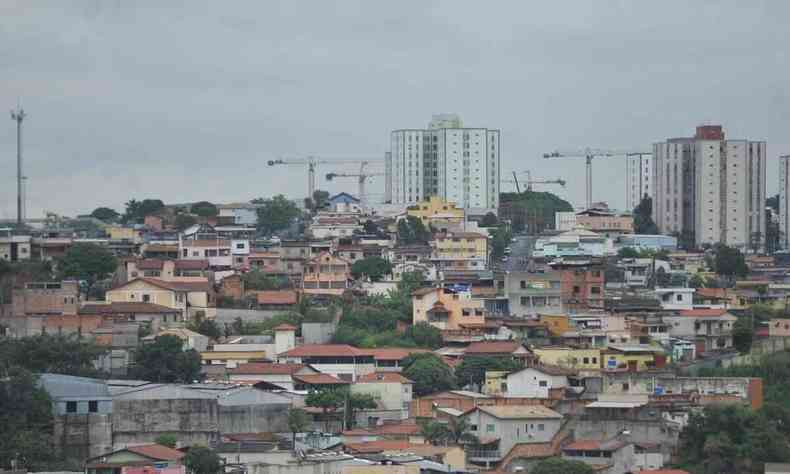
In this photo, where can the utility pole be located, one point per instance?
(18, 116)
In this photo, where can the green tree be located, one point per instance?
(167, 439)
(86, 261)
(400, 299)
(412, 231)
(489, 220)
(185, 221)
(47, 353)
(328, 400)
(373, 267)
(204, 209)
(424, 335)
(356, 402)
(459, 431)
(257, 281)
(137, 210)
(531, 210)
(434, 432)
(472, 369)
(729, 261)
(628, 252)
(500, 240)
(206, 327)
(298, 422)
(643, 217)
(26, 418)
(561, 466)
(743, 334)
(165, 361)
(105, 214)
(276, 214)
(697, 281)
(202, 460)
(429, 373)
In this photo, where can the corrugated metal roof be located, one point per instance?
(162, 392)
(68, 386)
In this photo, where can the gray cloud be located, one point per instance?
(188, 100)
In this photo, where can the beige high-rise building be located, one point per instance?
(709, 190)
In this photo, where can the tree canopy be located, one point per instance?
(204, 209)
(643, 217)
(411, 231)
(275, 214)
(202, 460)
(729, 261)
(472, 369)
(298, 422)
(87, 261)
(561, 466)
(165, 361)
(429, 373)
(51, 353)
(105, 214)
(533, 210)
(489, 220)
(372, 267)
(137, 210)
(185, 221)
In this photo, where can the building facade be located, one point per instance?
(709, 190)
(638, 178)
(446, 160)
(784, 201)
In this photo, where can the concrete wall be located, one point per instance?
(79, 437)
(192, 421)
(253, 418)
(641, 431)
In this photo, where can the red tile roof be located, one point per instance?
(377, 446)
(712, 292)
(276, 297)
(206, 243)
(703, 312)
(492, 347)
(285, 327)
(584, 445)
(150, 264)
(266, 368)
(319, 379)
(325, 350)
(383, 377)
(393, 353)
(178, 285)
(191, 264)
(157, 452)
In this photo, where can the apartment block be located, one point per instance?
(447, 160)
(784, 200)
(638, 178)
(709, 190)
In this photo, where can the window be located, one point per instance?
(472, 427)
(679, 297)
(576, 290)
(541, 427)
(543, 383)
(489, 428)
(93, 406)
(466, 312)
(524, 301)
(523, 285)
(596, 290)
(71, 407)
(146, 298)
(586, 360)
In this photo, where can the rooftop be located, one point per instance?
(266, 368)
(325, 350)
(383, 377)
(493, 347)
(520, 412)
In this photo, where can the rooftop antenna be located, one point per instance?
(18, 116)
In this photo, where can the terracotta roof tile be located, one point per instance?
(126, 307)
(157, 452)
(492, 347)
(191, 264)
(285, 327)
(393, 353)
(703, 312)
(325, 350)
(319, 379)
(150, 264)
(266, 368)
(277, 297)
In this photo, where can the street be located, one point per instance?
(520, 251)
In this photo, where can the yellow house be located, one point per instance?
(568, 357)
(436, 210)
(188, 297)
(460, 251)
(117, 232)
(556, 323)
(444, 308)
(496, 380)
(635, 356)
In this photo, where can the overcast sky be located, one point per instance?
(188, 101)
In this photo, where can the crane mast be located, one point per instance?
(312, 163)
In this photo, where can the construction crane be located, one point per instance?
(312, 162)
(531, 181)
(362, 178)
(589, 154)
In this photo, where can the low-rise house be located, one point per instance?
(460, 251)
(501, 428)
(146, 458)
(38, 302)
(531, 292)
(279, 375)
(711, 329)
(582, 284)
(240, 350)
(242, 213)
(390, 359)
(216, 251)
(326, 275)
(604, 221)
(277, 300)
(675, 299)
(190, 339)
(334, 227)
(439, 214)
(189, 297)
(344, 203)
(632, 357)
(168, 270)
(393, 394)
(569, 357)
(460, 401)
(341, 360)
(508, 349)
(446, 308)
(152, 315)
(577, 242)
(612, 456)
(541, 381)
(14, 248)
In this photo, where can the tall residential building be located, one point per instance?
(784, 201)
(638, 179)
(447, 160)
(708, 189)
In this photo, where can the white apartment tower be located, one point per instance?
(784, 201)
(710, 189)
(446, 160)
(638, 178)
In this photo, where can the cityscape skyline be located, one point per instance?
(130, 118)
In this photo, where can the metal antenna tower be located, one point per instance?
(18, 116)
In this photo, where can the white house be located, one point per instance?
(536, 382)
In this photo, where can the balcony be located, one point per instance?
(483, 455)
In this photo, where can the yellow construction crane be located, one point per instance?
(589, 154)
(312, 162)
(531, 181)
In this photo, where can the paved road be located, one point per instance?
(520, 251)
